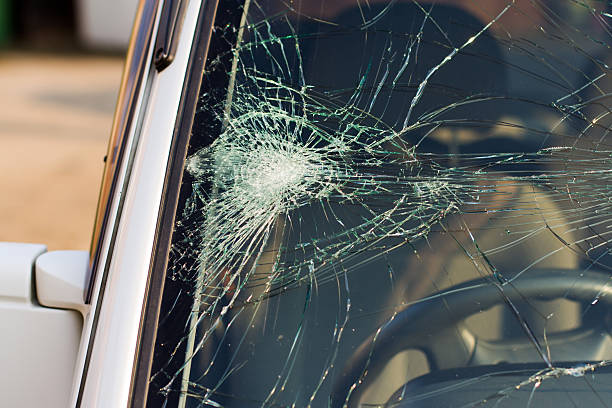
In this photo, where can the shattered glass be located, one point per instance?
(395, 204)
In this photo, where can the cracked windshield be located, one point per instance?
(395, 204)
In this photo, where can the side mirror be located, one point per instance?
(61, 278)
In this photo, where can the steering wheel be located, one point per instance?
(436, 327)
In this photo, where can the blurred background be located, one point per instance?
(60, 68)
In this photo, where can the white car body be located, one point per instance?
(52, 330)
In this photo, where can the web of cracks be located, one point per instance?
(308, 184)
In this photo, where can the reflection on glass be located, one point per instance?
(399, 204)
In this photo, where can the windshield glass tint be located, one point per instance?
(402, 204)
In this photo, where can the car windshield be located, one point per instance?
(395, 203)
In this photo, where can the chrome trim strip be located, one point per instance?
(116, 327)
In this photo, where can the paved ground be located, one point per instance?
(55, 118)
